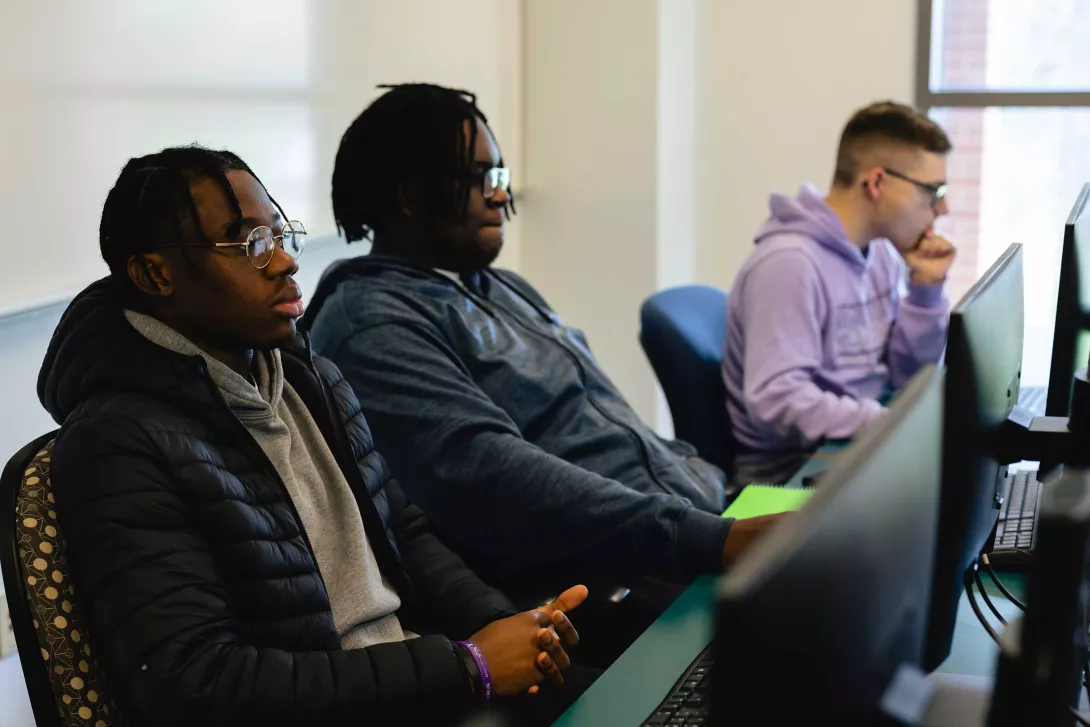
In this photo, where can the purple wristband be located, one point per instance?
(482, 665)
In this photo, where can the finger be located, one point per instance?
(549, 668)
(542, 617)
(568, 600)
(928, 245)
(564, 629)
(940, 247)
(548, 640)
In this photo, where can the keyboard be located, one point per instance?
(687, 701)
(1017, 530)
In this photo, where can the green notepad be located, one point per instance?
(757, 500)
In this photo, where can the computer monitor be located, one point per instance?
(817, 617)
(983, 369)
(1072, 307)
(1037, 682)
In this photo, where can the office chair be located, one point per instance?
(682, 331)
(65, 685)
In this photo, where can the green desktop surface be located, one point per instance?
(630, 690)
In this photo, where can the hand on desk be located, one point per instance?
(743, 533)
(525, 649)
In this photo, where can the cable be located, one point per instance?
(1080, 717)
(986, 597)
(999, 584)
(976, 609)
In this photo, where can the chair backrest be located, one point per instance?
(66, 686)
(682, 331)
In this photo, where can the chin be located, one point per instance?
(489, 247)
(283, 334)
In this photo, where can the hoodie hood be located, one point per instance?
(807, 214)
(376, 265)
(252, 401)
(95, 350)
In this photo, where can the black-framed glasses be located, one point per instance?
(491, 179)
(261, 243)
(937, 191)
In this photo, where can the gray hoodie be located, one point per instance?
(500, 424)
(364, 604)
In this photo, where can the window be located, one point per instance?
(1009, 80)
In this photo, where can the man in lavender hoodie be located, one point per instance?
(843, 297)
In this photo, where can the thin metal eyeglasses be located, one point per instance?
(937, 191)
(261, 243)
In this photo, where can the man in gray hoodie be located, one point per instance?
(493, 411)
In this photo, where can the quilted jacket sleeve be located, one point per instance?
(450, 598)
(163, 624)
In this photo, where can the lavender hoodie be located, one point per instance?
(817, 330)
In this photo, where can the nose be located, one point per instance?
(500, 197)
(942, 208)
(282, 264)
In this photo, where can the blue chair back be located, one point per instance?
(682, 331)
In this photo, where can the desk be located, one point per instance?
(628, 692)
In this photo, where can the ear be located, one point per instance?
(872, 183)
(408, 198)
(151, 274)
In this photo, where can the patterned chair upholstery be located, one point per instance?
(78, 684)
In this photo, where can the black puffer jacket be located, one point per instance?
(205, 602)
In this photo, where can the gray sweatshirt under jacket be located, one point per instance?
(364, 604)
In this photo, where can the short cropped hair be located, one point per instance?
(890, 123)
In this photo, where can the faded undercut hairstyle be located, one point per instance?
(888, 123)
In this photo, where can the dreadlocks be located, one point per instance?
(150, 205)
(409, 147)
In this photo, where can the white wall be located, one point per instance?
(777, 80)
(589, 234)
(85, 86)
(655, 131)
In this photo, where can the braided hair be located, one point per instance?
(150, 205)
(414, 134)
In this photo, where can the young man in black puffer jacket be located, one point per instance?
(240, 548)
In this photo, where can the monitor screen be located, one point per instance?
(1072, 307)
(816, 618)
(983, 369)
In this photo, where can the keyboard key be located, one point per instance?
(676, 720)
(656, 719)
(691, 685)
(695, 701)
(1033, 493)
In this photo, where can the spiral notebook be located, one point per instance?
(757, 500)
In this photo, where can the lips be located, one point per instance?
(290, 308)
(289, 303)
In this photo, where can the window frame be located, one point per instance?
(926, 99)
